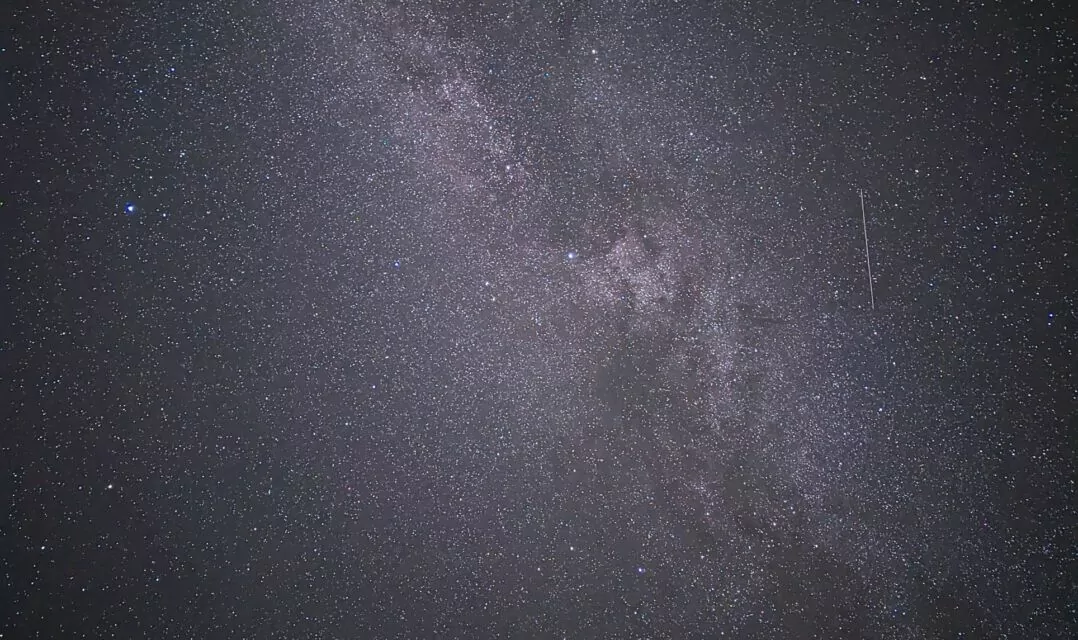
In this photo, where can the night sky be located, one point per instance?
(539, 320)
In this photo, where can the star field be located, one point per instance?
(540, 320)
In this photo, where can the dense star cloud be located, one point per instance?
(399, 320)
